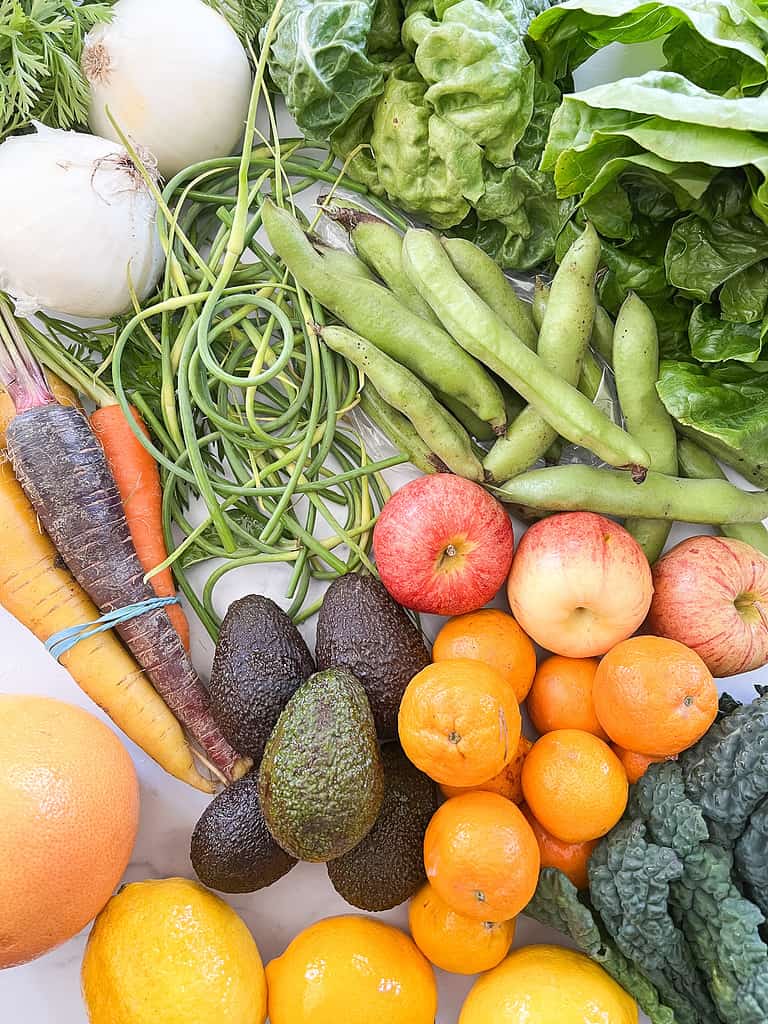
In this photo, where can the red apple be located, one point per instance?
(579, 584)
(712, 595)
(443, 545)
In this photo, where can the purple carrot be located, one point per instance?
(61, 466)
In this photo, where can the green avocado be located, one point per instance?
(361, 628)
(387, 867)
(232, 849)
(321, 781)
(261, 658)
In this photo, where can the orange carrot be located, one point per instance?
(138, 481)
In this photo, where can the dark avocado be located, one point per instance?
(387, 867)
(232, 849)
(321, 781)
(261, 658)
(361, 628)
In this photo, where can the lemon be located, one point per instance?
(548, 985)
(170, 951)
(351, 970)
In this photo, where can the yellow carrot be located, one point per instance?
(38, 590)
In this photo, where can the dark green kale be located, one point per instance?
(726, 773)
(630, 881)
(752, 856)
(558, 905)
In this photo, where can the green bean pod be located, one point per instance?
(602, 329)
(539, 304)
(485, 335)
(339, 261)
(591, 376)
(472, 423)
(372, 310)
(602, 335)
(399, 430)
(613, 493)
(486, 279)
(636, 369)
(401, 389)
(380, 247)
(563, 340)
(696, 464)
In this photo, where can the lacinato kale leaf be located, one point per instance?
(629, 880)
(726, 773)
(752, 856)
(557, 904)
(719, 924)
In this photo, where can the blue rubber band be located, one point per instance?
(66, 639)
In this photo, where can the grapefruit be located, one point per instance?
(69, 811)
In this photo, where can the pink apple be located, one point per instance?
(712, 595)
(579, 584)
(443, 545)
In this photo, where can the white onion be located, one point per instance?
(75, 218)
(175, 77)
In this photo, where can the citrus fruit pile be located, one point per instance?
(514, 805)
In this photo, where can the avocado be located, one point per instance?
(387, 867)
(232, 849)
(361, 628)
(260, 660)
(321, 781)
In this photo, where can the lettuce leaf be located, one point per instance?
(319, 61)
(720, 45)
(743, 297)
(423, 161)
(728, 403)
(714, 340)
(479, 73)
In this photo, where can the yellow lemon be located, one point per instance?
(454, 942)
(548, 985)
(171, 951)
(351, 970)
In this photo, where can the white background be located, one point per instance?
(48, 990)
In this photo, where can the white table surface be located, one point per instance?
(47, 991)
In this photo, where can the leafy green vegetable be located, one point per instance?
(728, 403)
(480, 76)
(744, 295)
(720, 925)
(41, 44)
(752, 858)
(556, 904)
(718, 45)
(726, 773)
(714, 340)
(703, 254)
(320, 63)
(629, 881)
(431, 166)
(247, 17)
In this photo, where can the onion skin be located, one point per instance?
(75, 218)
(175, 78)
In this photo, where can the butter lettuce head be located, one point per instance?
(424, 161)
(479, 74)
